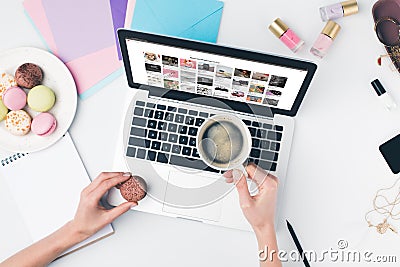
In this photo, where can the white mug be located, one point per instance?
(224, 143)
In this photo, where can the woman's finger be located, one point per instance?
(102, 177)
(106, 185)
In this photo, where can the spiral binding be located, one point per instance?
(13, 158)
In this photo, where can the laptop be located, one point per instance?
(180, 84)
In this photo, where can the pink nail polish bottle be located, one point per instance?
(325, 39)
(286, 35)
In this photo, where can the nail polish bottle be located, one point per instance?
(286, 35)
(338, 10)
(325, 39)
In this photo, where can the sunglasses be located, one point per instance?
(388, 31)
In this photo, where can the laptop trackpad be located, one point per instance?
(187, 183)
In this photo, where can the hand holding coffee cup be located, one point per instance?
(224, 143)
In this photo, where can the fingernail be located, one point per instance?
(134, 205)
(127, 174)
(236, 175)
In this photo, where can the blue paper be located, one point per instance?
(95, 88)
(191, 19)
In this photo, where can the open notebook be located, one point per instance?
(40, 193)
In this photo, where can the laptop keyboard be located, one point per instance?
(167, 134)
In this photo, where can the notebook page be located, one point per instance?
(46, 187)
(11, 225)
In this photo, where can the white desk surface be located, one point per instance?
(335, 165)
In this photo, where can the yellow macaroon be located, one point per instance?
(41, 98)
(3, 111)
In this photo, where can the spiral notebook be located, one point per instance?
(39, 193)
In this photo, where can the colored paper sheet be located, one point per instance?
(36, 14)
(91, 72)
(198, 20)
(93, 66)
(118, 11)
(79, 27)
(129, 13)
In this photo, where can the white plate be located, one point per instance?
(57, 77)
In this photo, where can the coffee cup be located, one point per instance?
(224, 143)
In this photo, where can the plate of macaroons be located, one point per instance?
(38, 99)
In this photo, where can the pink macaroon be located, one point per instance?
(44, 124)
(14, 98)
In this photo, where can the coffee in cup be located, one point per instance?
(224, 142)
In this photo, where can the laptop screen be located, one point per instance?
(214, 75)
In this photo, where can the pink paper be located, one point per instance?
(37, 14)
(90, 69)
(129, 13)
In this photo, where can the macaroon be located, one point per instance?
(44, 124)
(6, 81)
(14, 98)
(29, 75)
(3, 111)
(18, 122)
(41, 98)
(133, 189)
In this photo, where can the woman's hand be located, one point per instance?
(91, 216)
(259, 210)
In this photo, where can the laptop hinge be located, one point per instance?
(211, 108)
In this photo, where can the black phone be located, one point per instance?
(391, 152)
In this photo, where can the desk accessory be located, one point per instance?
(297, 243)
(192, 19)
(339, 10)
(383, 96)
(386, 209)
(386, 14)
(170, 169)
(45, 187)
(96, 45)
(56, 76)
(286, 35)
(390, 151)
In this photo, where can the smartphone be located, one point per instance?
(391, 152)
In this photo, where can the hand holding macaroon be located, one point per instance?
(134, 189)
